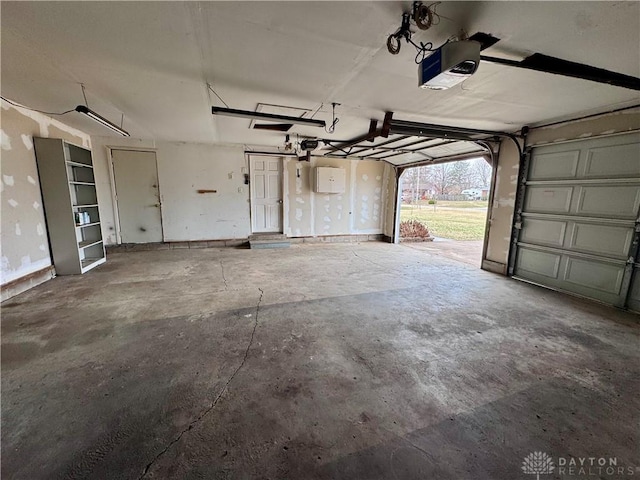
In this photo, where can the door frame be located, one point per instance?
(114, 196)
(283, 186)
(401, 170)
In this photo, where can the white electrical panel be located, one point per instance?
(330, 180)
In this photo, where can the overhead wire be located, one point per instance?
(36, 110)
(219, 97)
(334, 119)
(84, 95)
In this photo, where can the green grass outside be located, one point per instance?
(454, 221)
(451, 203)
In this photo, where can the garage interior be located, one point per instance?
(201, 269)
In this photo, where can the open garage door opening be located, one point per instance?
(443, 208)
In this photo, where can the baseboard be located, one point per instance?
(377, 237)
(141, 247)
(241, 242)
(495, 267)
(22, 284)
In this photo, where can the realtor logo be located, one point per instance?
(538, 463)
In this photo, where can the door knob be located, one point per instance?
(280, 202)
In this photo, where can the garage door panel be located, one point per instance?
(613, 161)
(579, 215)
(555, 165)
(548, 199)
(594, 275)
(606, 240)
(541, 263)
(543, 232)
(618, 201)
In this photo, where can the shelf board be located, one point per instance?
(85, 206)
(88, 243)
(78, 164)
(87, 224)
(83, 183)
(89, 263)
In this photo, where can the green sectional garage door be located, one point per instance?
(580, 207)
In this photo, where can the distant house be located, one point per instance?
(478, 193)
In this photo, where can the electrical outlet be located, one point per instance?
(240, 190)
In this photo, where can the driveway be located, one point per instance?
(467, 251)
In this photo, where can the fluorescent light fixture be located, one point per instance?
(101, 120)
(230, 112)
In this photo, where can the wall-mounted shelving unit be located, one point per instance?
(70, 205)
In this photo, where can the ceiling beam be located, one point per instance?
(231, 112)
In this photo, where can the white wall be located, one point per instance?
(184, 168)
(359, 210)
(23, 235)
(187, 215)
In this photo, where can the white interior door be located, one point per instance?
(137, 196)
(266, 194)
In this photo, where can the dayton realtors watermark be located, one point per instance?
(593, 466)
(541, 464)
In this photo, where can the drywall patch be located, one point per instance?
(31, 180)
(25, 262)
(13, 203)
(44, 129)
(40, 229)
(44, 122)
(18, 231)
(506, 202)
(36, 205)
(5, 141)
(365, 177)
(42, 247)
(27, 140)
(298, 214)
(8, 180)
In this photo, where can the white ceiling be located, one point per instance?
(151, 61)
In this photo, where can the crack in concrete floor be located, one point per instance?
(224, 279)
(208, 410)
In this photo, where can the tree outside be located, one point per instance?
(450, 199)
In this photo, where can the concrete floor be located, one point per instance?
(467, 251)
(369, 361)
